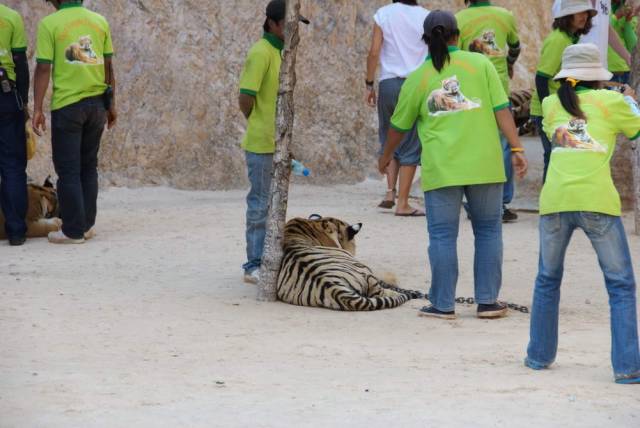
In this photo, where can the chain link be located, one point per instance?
(471, 301)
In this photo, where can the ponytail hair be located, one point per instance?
(569, 98)
(438, 42)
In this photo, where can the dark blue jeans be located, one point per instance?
(75, 138)
(13, 165)
(259, 168)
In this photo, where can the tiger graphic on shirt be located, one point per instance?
(574, 137)
(449, 99)
(486, 44)
(82, 52)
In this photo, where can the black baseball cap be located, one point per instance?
(440, 18)
(276, 10)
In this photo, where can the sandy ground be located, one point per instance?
(150, 325)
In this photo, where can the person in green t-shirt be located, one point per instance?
(582, 121)
(259, 84)
(624, 21)
(493, 32)
(14, 92)
(458, 102)
(75, 44)
(571, 20)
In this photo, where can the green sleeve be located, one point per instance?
(408, 106)
(44, 45)
(499, 99)
(512, 37)
(629, 34)
(255, 68)
(550, 57)
(626, 119)
(19, 37)
(108, 43)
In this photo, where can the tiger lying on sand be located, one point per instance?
(319, 269)
(42, 212)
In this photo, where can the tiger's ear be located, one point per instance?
(353, 230)
(315, 217)
(48, 182)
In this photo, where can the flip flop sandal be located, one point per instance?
(386, 204)
(414, 213)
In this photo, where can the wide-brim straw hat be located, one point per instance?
(583, 62)
(571, 7)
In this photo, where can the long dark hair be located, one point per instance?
(569, 98)
(564, 24)
(409, 2)
(438, 42)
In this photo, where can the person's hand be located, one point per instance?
(622, 11)
(39, 123)
(371, 97)
(520, 164)
(628, 91)
(383, 163)
(112, 117)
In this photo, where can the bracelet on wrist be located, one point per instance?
(369, 83)
(517, 150)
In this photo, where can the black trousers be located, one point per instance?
(13, 165)
(75, 138)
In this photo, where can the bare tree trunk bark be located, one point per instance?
(635, 83)
(272, 256)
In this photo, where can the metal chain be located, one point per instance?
(471, 301)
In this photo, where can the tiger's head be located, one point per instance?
(451, 85)
(85, 43)
(577, 126)
(322, 231)
(489, 37)
(43, 201)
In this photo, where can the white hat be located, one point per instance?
(583, 62)
(563, 8)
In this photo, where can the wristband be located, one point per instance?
(369, 83)
(517, 150)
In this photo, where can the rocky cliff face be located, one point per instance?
(178, 64)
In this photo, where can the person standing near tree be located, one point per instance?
(259, 84)
(14, 90)
(396, 45)
(75, 43)
(624, 22)
(493, 32)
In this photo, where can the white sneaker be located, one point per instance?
(253, 277)
(90, 234)
(60, 238)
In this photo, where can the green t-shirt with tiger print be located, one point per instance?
(76, 41)
(455, 113)
(489, 30)
(12, 39)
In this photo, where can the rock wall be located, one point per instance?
(178, 63)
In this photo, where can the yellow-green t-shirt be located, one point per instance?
(12, 39)
(489, 30)
(455, 112)
(579, 176)
(261, 79)
(626, 31)
(550, 63)
(76, 41)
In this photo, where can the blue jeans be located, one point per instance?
(443, 220)
(607, 237)
(76, 131)
(546, 146)
(509, 190)
(259, 168)
(13, 165)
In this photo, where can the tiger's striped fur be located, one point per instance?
(319, 269)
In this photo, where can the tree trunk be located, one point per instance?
(272, 256)
(635, 84)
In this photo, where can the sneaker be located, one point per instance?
(90, 234)
(508, 215)
(16, 242)
(430, 311)
(495, 310)
(631, 379)
(252, 277)
(60, 238)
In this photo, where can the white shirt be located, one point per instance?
(599, 34)
(403, 49)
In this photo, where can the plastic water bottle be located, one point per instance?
(299, 169)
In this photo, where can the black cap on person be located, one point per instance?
(440, 18)
(276, 10)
